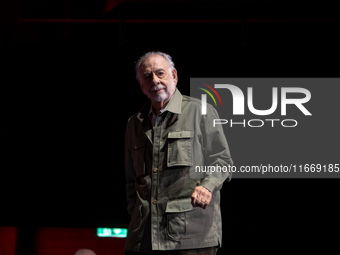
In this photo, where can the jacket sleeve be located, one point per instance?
(130, 174)
(216, 151)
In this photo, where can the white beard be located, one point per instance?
(165, 94)
(161, 97)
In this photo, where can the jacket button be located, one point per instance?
(155, 170)
(198, 183)
(154, 202)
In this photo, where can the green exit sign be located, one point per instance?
(112, 232)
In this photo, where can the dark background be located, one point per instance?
(68, 88)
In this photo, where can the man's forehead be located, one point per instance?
(154, 62)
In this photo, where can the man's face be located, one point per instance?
(157, 80)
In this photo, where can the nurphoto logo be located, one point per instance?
(239, 102)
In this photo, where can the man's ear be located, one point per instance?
(174, 76)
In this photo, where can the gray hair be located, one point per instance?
(146, 55)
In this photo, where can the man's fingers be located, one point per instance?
(200, 197)
(193, 201)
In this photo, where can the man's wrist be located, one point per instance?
(207, 188)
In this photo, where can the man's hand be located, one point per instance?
(200, 197)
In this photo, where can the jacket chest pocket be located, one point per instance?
(179, 148)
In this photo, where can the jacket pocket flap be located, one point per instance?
(179, 205)
(180, 134)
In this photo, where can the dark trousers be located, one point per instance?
(202, 251)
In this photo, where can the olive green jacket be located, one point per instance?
(160, 165)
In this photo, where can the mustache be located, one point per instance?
(157, 87)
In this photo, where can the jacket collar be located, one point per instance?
(175, 104)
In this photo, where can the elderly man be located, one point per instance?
(174, 210)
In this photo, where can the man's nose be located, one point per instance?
(155, 79)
